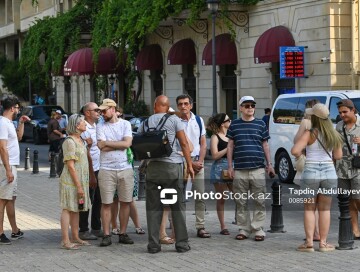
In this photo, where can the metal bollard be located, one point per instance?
(52, 165)
(277, 224)
(27, 158)
(346, 237)
(141, 193)
(36, 162)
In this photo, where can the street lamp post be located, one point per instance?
(112, 81)
(213, 6)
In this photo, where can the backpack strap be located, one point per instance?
(198, 120)
(163, 121)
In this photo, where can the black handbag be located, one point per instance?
(153, 143)
(355, 162)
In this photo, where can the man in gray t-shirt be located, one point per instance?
(167, 173)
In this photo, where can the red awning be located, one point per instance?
(225, 51)
(182, 52)
(267, 46)
(81, 62)
(149, 58)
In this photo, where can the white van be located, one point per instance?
(285, 118)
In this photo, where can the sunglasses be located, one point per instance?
(105, 110)
(96, 110)
(227, 120)
(249, 106)
(185, 104)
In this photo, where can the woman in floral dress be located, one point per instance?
(74, 183)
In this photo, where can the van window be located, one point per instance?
(356, 102)
(285, 110)
(334, 112)
(301, 106)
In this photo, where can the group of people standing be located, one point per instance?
(98, 168)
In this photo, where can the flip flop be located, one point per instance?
(81, 243)
(166, 240)
(69, 246)
(139, 231)
(240, 237)
(259, 238)
(225, 232)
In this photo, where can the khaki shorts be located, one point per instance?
(8, 190)
(110, 180)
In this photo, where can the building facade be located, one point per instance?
(177, 58)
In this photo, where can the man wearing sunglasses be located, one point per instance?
(91, 112)
(114, 136)
(248, 147)
(9, 160)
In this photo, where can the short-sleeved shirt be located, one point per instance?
(172, 125)
(8, 133)
(192, 130)
(344, 167)
(117, 159)
(53, 124)
(248, 137)
(94, 150)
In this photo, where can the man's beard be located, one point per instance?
(14, 115)
(107, 119)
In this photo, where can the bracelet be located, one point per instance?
(269, 163)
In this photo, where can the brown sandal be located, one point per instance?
(202, 233)
(240, 237)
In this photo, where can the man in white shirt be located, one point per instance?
(195, 130)
(114, 136)
(91, 112)
(9, 159)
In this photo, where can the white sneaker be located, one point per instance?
(115, 231)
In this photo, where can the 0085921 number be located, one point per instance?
(302, 200)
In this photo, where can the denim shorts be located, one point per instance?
(216, 168)
(319, 178)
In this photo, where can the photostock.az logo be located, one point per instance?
(164, 196)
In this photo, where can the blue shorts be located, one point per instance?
(319, 178)
(216, 168)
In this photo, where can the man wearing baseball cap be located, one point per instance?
(114, 136)
(348, 176)
(249, 147)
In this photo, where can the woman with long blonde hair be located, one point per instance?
(323, 144)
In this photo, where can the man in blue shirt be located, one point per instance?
(248, 146)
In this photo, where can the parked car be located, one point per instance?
(136, 122)
(286, 115)
(36, 129)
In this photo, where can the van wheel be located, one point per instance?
(284, 168)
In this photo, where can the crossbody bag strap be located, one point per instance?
(322, 145)
(346, 140)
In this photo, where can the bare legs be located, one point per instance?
(354, 210)
(220, 203)
(115, 212)
(323, 203)
(71, 219)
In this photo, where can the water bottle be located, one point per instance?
(81, 204)
(354, 149)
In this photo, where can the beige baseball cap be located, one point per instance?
(107, 102)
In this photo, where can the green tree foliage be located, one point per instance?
(57, 37)
(16, 81)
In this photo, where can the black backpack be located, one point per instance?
(60, 157)
(152, 143)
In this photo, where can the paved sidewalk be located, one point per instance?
(38, 216)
